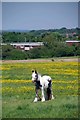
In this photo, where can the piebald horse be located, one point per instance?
(44, 83)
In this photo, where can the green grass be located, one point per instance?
(23, 107)
(19, 104)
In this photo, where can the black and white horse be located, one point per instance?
(44, 83)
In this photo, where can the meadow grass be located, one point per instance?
(18, 91)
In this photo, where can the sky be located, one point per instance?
(79, 14)
(39, 15)
(0, 16)
(40, 0)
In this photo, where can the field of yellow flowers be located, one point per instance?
(18, 90)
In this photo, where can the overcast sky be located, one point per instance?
(39, 15)
(40, 0)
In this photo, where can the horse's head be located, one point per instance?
(34, 75)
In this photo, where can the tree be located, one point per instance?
(34, 53)
(8, 52)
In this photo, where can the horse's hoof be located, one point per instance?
(35, 100)
(43, 99)
(52, 98)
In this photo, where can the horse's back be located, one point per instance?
(45, 80)
(46, 77)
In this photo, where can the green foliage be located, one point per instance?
(77, 51)
(8, 52)
(54, 44)
(38, 35)
(49, 50)
(18, 54)
(34, 53)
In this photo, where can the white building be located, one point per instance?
(26, 45)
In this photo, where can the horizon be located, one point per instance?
(38, 29)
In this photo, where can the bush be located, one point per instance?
(9, 52)
(34, 53)
(55, 49)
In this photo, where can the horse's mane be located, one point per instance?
(39, 75)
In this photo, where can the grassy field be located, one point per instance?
(18, 91)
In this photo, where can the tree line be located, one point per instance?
(54, 46)
(38, 35)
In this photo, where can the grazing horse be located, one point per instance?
(44, 83)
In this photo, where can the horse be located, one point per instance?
(43, 83)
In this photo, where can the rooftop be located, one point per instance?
(72, 41)
(25, 43)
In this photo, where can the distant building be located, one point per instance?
(73, 42)
(26, 45)
(67, 35)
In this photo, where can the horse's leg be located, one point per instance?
(52, 97)
(36, 98)
(43, 97)
(51, 92)
(39, 98)
(48, 93)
